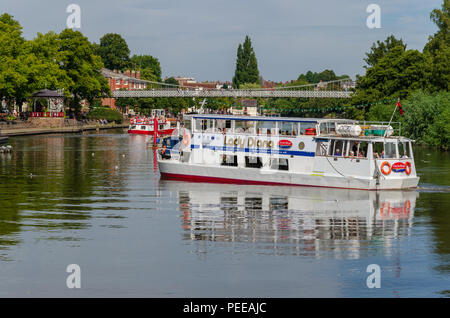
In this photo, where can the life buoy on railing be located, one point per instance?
(408, 168)
(382, 168)
(185, 138)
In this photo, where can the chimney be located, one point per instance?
(127, 73)
(138, 74)
(133, 74)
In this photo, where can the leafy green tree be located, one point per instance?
(149, 67)
(114, 52)
(427, 118)
(396, 74)
(246, 65)
(438, 47)
(380, 49)
(83, 67)
(171, 81)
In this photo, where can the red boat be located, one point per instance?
(146, 126)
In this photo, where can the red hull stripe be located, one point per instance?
(192, 178)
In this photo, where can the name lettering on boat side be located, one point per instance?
(251, 142)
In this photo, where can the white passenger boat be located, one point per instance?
(335, 153)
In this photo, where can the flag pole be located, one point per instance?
(392, 117)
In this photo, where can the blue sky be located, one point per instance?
(199, 38)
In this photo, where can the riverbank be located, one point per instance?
(54, 130)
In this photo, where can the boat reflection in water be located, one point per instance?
(295, 220)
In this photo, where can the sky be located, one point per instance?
(199, 38)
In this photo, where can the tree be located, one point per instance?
(114, 52)
(396, 74)
(380, 49)
(427, 118)
(148, 65)
(246, 65)
(171, 81)
(83, 67)
(438, 47)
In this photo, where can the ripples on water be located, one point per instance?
(99, 197)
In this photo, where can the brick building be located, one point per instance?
(129, 80)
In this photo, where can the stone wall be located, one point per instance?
(39, 122)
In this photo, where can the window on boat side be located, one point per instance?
(202, 125)
(288, 128)
(305, 126)
(244, 126)
(358, 149)
(229, 160)
(279, 164)
(327, 128)
(403, 149)
(386, 150)
(187, 124)
(336, 148)
(253, 162)
(265, 127)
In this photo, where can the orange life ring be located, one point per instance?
(408, 168)
(382, 168)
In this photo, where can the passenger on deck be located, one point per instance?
(337, 152)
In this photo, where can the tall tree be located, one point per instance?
(246, 65)
(148, 65)
(438, 47)
(83, 67)
(114, 52)
(380, 49)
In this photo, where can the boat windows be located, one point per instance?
(244, 126)
(327, 128)
(403, 149)
(279, 164)
(358, 149)
(253, 162)
(305, 126)
(336, 148)
(229, 160)
(288, 128)
(385, 150)
(202, 125)
(266, 127)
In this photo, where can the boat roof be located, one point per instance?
(363, 138)
(266, 118)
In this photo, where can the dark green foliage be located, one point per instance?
(114, 52)
(107, 113)
(380, 49)
(149, 67)
(171, 81)
(427, 118)
(246, 65)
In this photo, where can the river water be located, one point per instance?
(96, 200)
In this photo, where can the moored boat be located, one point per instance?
(336, 153)
(157, 125)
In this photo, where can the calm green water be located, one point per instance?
(96, 200)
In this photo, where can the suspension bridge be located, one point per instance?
(332, 89)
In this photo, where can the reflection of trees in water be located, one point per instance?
(291, 225)
(50, 180)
